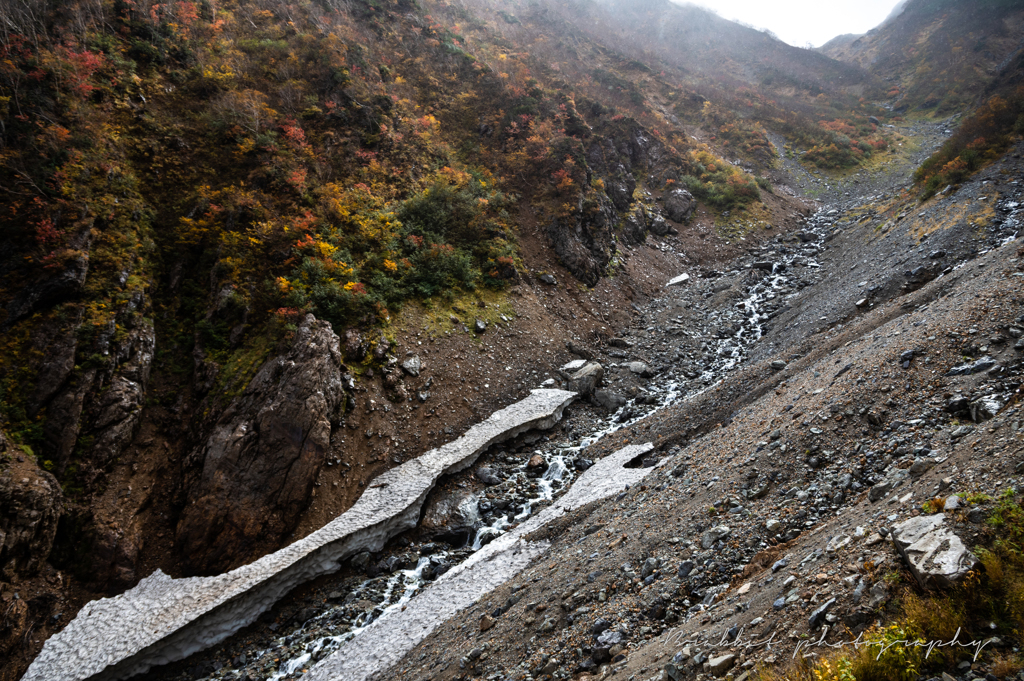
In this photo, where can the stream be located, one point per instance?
(352, 604)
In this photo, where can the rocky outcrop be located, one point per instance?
(583, 241)
(49, 289)
(30, 505)
(252, 476)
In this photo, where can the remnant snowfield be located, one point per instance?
(164, 619)
(389, 638)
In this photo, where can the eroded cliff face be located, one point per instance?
(31, 503)
(250, 478)
(586, 241)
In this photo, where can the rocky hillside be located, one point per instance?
(258, 253)
(937, 55)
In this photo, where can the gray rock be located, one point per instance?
(987, 407)
(921, 466)
(935, 555)
(609, 400)
(587, 379)
(620, 343)
(976, 367)
(548, 279)
(685, 568)
(952, 503)
(658, 225)
(778, 365)
(961, 431)
(880, 490)
(879, 593)
(412, 365)
(457, 510)
(479, 326)
(713, 535)
(611, 637)
(487, 476)
(641, 369)
(817, 617)
(679, 205)
(721, 664)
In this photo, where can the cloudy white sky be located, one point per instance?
(799, 22)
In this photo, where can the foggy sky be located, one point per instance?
(799, 22)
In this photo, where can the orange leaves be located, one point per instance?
(562, 179)
(455, 178)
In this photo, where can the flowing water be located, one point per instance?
(290, 654)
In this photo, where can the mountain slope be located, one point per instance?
(937, 55)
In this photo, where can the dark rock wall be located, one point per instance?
(251, 477)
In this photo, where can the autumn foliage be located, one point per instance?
(980, 139)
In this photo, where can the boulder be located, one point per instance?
(679, 205)
(487, 476)
(658, 226)
(713, 535)
(641, 369)
(720, 664)
(609, 400)
(935, 555)
(450, 512)
(586, 379)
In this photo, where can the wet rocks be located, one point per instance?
(935, 555)
(451, 512)
(976, 367)
(487, 476)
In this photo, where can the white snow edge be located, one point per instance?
(162, 620)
